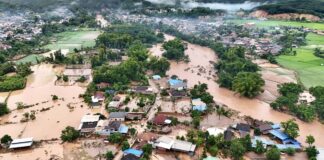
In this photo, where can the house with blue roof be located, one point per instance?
(287, 142)
(177, 84)
(137, 153)
(279, 135)
(198, 105)
(264, 141)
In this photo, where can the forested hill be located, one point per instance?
(314, 7)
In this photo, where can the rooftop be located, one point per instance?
(279, 134)
(90, 118)
(135, 152)
(117, 114)
(21, 143)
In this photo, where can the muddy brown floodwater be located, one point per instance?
(200, 70)
(67, 111)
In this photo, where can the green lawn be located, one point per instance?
(308, 66)
(30, 58)
(269, 23)
(73, 39)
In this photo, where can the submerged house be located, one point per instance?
(286, 141)
(165, 143)
(113, 127)
(142, 90)
(135, 152)
(117, 116)
(88, 123)
(77, 73)
(98, 97)
(177, 84)
(21, 143)
(198, 105)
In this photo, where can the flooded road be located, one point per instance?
(200, 70)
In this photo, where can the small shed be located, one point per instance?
(21, 143)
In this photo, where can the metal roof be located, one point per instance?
(117, 114)
(20, 143)
(90, 118)
(135, 152)
(279, 134)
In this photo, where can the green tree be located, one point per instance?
(290, 88)
(6, 139)
(290, 128)
(213, 150)
(311, 152)
(109, 155)
(174, 50)
(290, 151)
(237, 150)
(259, 147)
(3, 109)
(248, 84)
(138, 51)
(147, 150)
(273, 154)
(115, 138)
(69, 134)
(310, 140)
(125, 145)
(23, 69)
(159, 65)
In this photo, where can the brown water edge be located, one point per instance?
(51, 150)
(199, 69)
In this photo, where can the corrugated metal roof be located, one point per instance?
(20, 143)
(279, 134)
(135, 152)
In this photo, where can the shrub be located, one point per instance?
(69, 134)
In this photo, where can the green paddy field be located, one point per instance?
(310, 69)
(73, 39)
(270, 23)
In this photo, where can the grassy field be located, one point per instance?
(269, 23)
(309, 68)
(30, 58)
(73, 39)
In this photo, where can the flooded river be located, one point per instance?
(200, 69)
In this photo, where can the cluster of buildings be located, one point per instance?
(20, 26)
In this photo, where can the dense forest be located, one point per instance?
(314, 7)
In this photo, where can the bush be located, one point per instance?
(6, 139)
(69, 134)
(273, 154)
(12, 83)
(65, 78)
(115, 138)
(290, 151)
(54, 97)
(213, 150)
(109, 155)
(125, 145)
(3, 109)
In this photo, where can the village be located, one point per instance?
(68, 110)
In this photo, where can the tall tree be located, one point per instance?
(291, 128)
(248, 84)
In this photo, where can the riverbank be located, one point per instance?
(200, 69)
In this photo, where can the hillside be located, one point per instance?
(313, 7)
